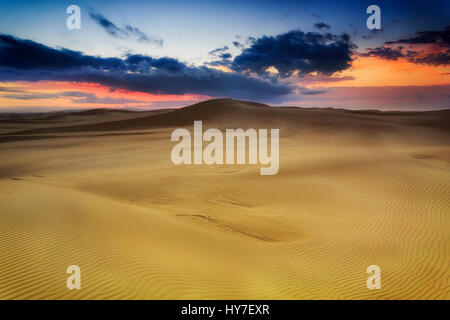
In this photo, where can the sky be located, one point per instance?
(160, 54)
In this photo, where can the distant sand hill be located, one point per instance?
(97, 189)
(235, 113)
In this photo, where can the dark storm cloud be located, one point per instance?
(27, 54)
(127, 32)
(437, 59)
(384, 53)
(30, 61)
(321, 25)
(437, 38)
(297, 51)
(441, 38)
(145, 64)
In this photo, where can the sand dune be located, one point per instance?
(242, 113)
(354, 189)
(356, 127)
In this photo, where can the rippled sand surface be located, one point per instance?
(353, 190)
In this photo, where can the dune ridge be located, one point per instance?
(242, 113)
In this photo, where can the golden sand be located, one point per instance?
(353, 189)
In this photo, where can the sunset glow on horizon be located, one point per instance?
(153, 66)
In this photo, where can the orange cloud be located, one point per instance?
(376, 72)
(370, 71)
